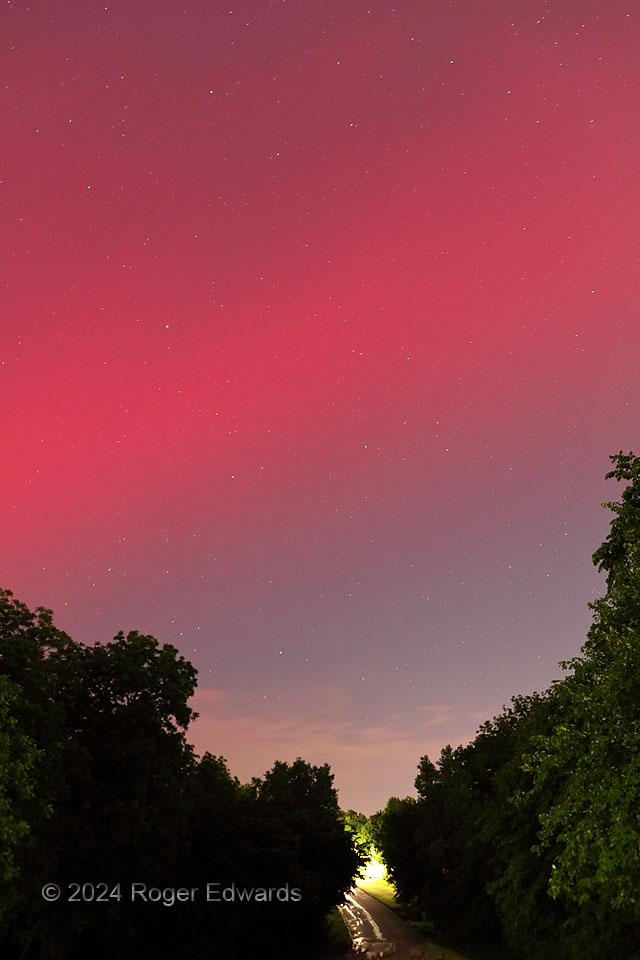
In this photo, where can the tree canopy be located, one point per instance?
(99, 785)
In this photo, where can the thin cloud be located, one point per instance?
(371, 760)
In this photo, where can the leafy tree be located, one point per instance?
(358, 826)
(18, 759)
(301, 798)
(373, 829)
(454, 854)
(396, 838)
(38, 660)
(531, 923)
(461, 856)
(99, 784)
(284, 833)
(109, 723)
(592, 757)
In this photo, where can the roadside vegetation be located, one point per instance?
(338, 938)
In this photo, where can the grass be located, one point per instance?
(441, 948)
(380, 889)
(331, 943)
(337, 932)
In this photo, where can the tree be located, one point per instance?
(357, 825)
(395, 832)
(590, 762)
(18, 759)
(461, 856)
(454, 855)
(98, 784)
(109, 725)
(532, 924)
(37, 660)
(302, 800)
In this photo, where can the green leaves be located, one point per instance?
(594, 753)
(18, 759)
(588, 766)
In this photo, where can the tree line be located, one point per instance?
(529, 836)
(102, 795)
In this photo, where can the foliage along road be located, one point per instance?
(376, 931)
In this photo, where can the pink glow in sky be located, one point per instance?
(319, 322)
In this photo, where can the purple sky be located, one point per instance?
(319, 323)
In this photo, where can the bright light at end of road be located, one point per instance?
(374, 869)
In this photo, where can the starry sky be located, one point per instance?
(319, 322)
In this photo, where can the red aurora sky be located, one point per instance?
(319, 322)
